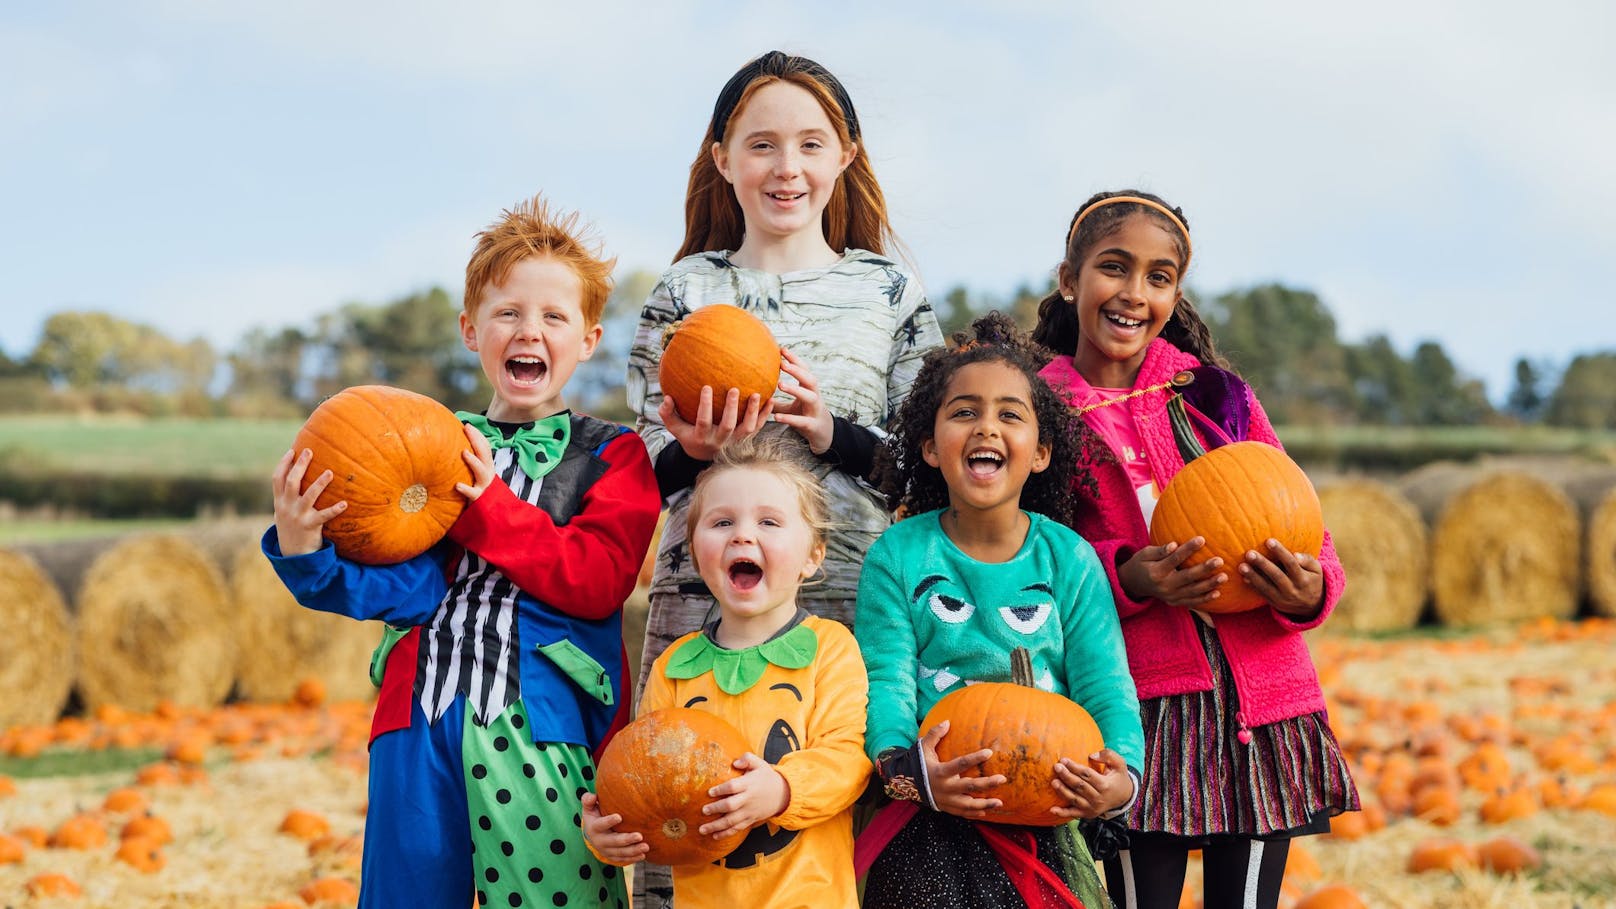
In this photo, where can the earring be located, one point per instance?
(1067, 297)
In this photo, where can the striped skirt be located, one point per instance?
(1201, 780)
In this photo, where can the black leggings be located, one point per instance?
(1239, 872)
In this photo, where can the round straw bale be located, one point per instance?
(37, 671)
(1594, 492)
(1382, 543)
(1505, 544)
(280, 643)
(154, 625)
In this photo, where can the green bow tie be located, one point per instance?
(737, 670)
(538, 447)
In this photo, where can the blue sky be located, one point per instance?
(1433, 170)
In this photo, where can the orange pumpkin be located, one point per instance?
(1029, 731)
(51, 884)
(656, 773)
(1441, 855)
(82, 832)
(329, 890)
(1508, 855)
(722, 346)
(1238, 496)
(395, 457)
(142, 854)
(147, 827)
(1335, 896)
(305, 825)
(12, 850)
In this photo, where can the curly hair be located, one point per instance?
(916, 486)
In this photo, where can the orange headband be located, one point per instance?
(1185, 231)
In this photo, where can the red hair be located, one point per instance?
(531, 230)
(855, 216)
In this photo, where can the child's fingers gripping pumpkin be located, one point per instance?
(1291, 582)
(759, 793)
(951, 791)
(480, 460)
(806, 413)
(709, 432)
(601, 832)
(1092, 788)
(1158, 572)
(297, 520)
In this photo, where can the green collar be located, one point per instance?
(737, 670)
(538, 447)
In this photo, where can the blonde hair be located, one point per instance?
(531, 230)
(779, 456)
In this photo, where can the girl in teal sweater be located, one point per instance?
(984, 461)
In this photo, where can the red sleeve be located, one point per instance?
(587, 567)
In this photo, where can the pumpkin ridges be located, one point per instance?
(718, 345)
(402, 432)
(1236, 497)
(656, 773)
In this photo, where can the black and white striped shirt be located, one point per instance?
(470, 647)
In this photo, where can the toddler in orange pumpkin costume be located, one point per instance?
(791, 682)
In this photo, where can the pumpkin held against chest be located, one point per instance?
(395, 458)
(656, 773)
(1238, 496)
(1029, 731)
(721, 346)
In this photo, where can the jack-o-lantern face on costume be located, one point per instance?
(767, 839)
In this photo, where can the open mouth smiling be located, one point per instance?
(745, 574)
(984, 462)
(526, 370)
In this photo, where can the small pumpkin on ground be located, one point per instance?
(1028, 729)
(142, 854)
(656, 773)
(723, 347)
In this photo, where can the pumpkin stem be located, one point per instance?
(667, 333)
(1021, 667)
(1189, 447)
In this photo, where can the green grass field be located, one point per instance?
(169, 447)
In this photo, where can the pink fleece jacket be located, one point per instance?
(1273, 671)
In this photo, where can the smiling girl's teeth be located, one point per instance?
(983, 463)
(1124, 321)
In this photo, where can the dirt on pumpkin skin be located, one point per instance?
(1527, 687)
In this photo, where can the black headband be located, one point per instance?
(779, 65)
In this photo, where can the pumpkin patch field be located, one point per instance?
(1486, 761)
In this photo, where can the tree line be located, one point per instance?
(1281, 339)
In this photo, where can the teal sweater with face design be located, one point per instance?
(931, 619)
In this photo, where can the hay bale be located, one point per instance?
(281, 643)
(1594, 492)
(1505, 545)
(37, 671)
(154, 624)
(1382, 543)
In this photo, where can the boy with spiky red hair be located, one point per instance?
(503, 672)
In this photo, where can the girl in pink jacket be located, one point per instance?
(1239, 756)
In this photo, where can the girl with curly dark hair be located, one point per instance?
(982, 457)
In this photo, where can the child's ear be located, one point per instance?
(721, 161)
(468, 332)
(590, 342)
(1040, 458)
(848, 154)
(1066, 281)
(928, 451)
(816, 558)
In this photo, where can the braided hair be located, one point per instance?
(916, 486)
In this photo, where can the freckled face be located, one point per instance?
(529, 334)
(783, 156)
